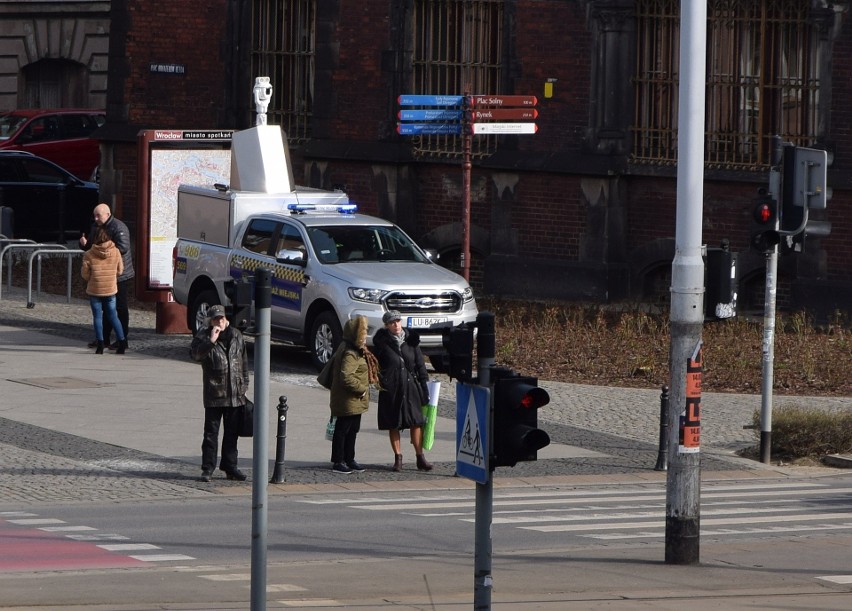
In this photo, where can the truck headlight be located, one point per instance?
(467, 294)
(368, 295)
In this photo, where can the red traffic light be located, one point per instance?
(516, 436)
(534, 398)
(765, 212)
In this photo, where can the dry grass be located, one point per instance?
(803, 433)
(590, 344)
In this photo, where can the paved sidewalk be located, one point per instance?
(68, 411)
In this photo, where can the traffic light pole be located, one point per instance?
(260, 446)
(768, 355)
(482, 579)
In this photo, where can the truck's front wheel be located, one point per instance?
(326, 333)
(197, 314)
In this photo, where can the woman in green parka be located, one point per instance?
(355, 369)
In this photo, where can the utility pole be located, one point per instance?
(687, 297)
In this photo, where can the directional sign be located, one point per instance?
(504, 114)
(414, 129)
(430, 100)
(504, 100)
(431, 115)
(472, 434)
(504, 128)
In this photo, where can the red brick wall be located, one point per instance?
(190, 33)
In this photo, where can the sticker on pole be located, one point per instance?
(689, 436)
(472, 407)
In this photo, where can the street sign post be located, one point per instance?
(472, 433)
(466, 115)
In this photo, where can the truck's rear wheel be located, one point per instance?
(326, 333)
(197, 314)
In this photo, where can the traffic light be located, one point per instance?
(239, 293)
(764, 234)
(458, 341)
(516, 437)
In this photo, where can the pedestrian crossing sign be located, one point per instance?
(472, 435)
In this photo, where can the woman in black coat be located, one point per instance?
(404, 390)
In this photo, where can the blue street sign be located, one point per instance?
(430, 100)
(472, 434)
(414, 129)
(431, 115)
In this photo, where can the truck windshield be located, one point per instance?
(347, 243)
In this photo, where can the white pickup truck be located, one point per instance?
(327, 263)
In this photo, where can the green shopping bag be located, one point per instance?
(430, 414)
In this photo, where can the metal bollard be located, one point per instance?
(663, 452)
(278, 472)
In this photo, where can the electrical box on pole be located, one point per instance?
(804, 187)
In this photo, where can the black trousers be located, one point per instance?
(122, 309)
(343, 443)
(213, 416)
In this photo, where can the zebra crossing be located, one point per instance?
(728, 509)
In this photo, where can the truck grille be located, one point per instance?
(418, 305)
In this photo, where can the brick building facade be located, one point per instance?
(572, 212)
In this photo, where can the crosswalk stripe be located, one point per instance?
(501, 495)
(423, 503)
(840, 579)
(631, 515)
(160, 557)
(720, 532)
(710, 522)
(127, 547)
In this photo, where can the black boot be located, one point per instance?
(423, 464)
(99, 347)
(122, 346)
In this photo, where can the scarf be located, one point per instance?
(372, 366)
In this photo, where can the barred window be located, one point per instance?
(762, 79)
(457, 43)
(283, 48)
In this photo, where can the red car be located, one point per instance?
(60, 135)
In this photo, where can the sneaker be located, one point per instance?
(341, 468)
(355, 467)
(236, 474)
(206, 476)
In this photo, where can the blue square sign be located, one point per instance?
(472, 434)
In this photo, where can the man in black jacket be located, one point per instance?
(118, 233)
(221, 350)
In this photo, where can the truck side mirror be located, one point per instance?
(291, 257)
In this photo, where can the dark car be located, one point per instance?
(48, 203)
(60, 135)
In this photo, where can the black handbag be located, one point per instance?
(247, 419)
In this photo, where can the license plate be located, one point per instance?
(425, 321)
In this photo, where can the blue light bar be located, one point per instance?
(341, 208)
